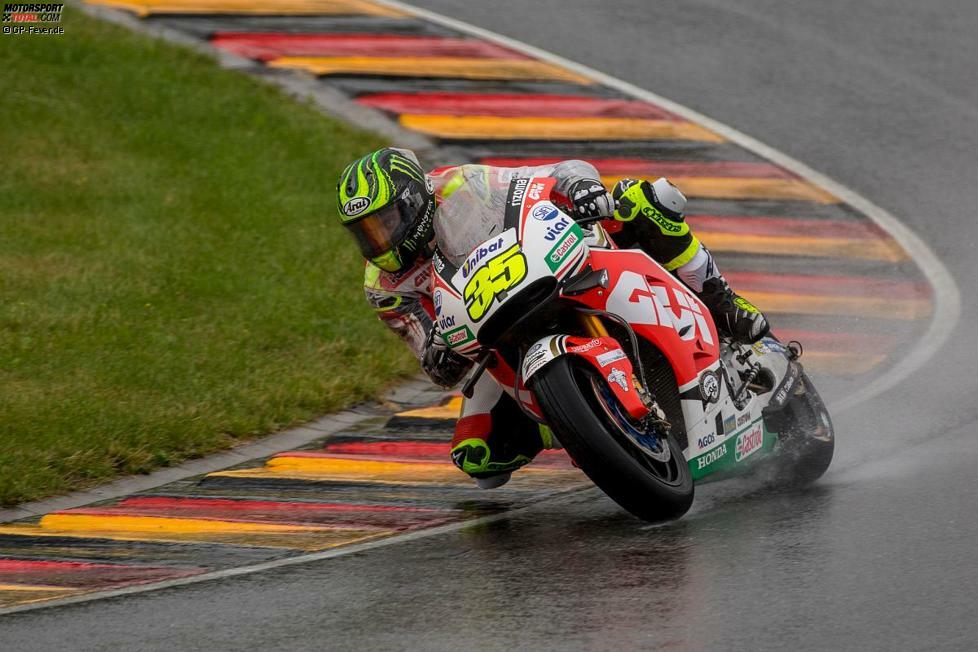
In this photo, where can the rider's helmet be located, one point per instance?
(388, 204)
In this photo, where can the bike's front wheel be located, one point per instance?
(642, 471)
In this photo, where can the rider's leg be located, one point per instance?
(733, 314)
(654, 220)
(493, 437)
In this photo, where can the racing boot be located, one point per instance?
(733, 315)
(491, 458)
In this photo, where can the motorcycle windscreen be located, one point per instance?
(471, 213)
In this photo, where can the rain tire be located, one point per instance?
(563, 390)
(809, 443)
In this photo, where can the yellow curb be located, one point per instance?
(744, 188)
(12, 595)
(482, 127)
(382, 472)
(144, 8)
(863, 249)
(125, 523)
(34, 588)
(813, 304)
(454, 67)
(450, 410)
(297, 538)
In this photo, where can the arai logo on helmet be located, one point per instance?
(544, 212)
(356, 205)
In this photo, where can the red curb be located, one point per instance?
(303, 518)
(644, 168)
(85, 575)
(266, 46)
(801, 284)
(23, 565)
(848, 342)
(227, 504)
(787, 226)
(514, 105)
(546, 458)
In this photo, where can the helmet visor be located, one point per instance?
(380, 232)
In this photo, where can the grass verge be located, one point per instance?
(173, 278)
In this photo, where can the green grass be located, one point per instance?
(173, 278)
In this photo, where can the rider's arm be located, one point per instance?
(660, 230)
(578, 188)
(652, 218)
(580, 191)
(405, 313)
(568, 173)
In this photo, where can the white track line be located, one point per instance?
(564, 496)
(947, 297)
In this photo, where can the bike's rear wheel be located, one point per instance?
(808, 441)
(645, 474)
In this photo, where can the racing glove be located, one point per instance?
(591, 199)
(444, 367)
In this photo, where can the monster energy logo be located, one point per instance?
(406, 166)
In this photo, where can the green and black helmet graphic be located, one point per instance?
(387, 203)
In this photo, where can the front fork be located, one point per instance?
(594, 327)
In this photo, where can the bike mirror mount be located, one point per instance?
(586, 280)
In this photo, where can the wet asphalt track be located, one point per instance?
(880, 95)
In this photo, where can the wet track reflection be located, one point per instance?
(746, 569)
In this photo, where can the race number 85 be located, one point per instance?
(498, 275)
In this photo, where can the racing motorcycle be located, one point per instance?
(616, 355)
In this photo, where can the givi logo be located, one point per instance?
(641, 303)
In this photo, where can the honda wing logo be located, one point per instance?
(658, 305)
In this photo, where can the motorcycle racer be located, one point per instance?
(389, 205)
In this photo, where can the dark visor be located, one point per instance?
(378, 233)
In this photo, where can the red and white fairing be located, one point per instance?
(658, 307)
